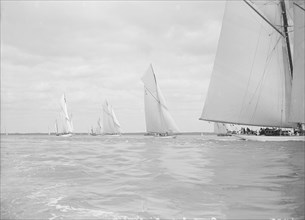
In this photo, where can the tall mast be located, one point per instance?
(285, 23)
(285, 34)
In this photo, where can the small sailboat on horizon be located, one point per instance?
(56, 128)
(98, 129)
(256, 79)
(66, 119)
(159, 122)
(111, 125)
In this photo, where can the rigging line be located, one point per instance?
(107, 112)
(268, 60)
(265, 19)
(243, 102)
(155, 98)
(299, 6)
(158, 100)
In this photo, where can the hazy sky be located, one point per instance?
(92, 50)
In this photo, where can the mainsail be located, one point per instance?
(251, 78)
(297, 113)
(158, 118)
(111, 124)
(67, 121)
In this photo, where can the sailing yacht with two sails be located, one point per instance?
(98, 129)
(66, 119)
(159, 122)
(257, 79)
(111, 125)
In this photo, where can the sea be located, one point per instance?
(141, 177)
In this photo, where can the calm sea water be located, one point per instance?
(134, 177)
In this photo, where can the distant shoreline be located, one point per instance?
(127, 133)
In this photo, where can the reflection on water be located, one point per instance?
(139, 177)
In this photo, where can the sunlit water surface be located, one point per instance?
(138, 177)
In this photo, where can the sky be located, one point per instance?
(97, 50)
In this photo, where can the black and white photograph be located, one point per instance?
(152, 110)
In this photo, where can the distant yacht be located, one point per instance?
(66, 119)
(159, 122)
(92, 133)
(98, 129)
(111, 125)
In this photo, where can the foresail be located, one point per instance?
(297, 113)
(220, 128)
(116, 123)
(170, 124)
(249, 78)
(110, 122)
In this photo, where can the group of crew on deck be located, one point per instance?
(273, 131)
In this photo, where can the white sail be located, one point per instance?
(111, 124)
(67, 123)
(251, 82)
(158, 118)
(56, 127)
(220, 128)
(99, 127)
(297, 113)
